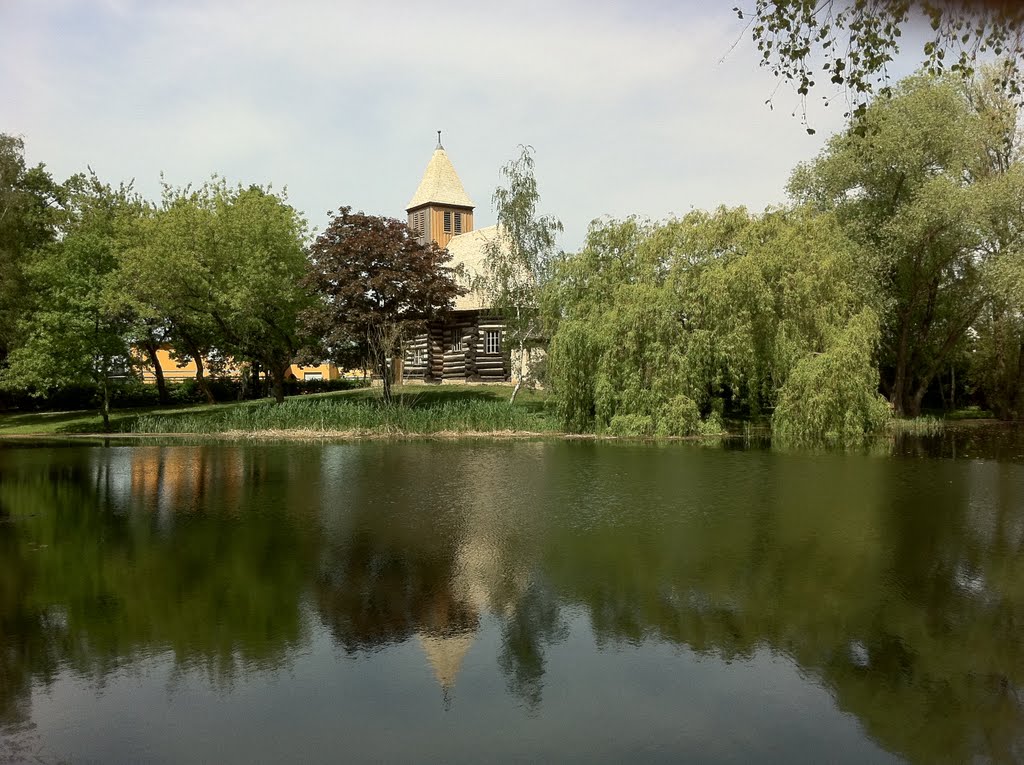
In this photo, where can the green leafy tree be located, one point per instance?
(260, 239)
(926, 193)
(519, 260)
(374, 287)
(78, 327)
(30, 210)
(997, 353)
(172, 275)
(852, 44)
(219, 269)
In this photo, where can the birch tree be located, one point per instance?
(519, 261)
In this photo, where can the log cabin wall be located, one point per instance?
(433, 357)
(436, 368)
(491, 365)
(458, 363)
(417, 359)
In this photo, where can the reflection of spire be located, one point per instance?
(445, 654)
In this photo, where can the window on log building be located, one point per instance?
(492, 341)
(456, 339)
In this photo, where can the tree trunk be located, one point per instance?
(105, 404)
(277, 372)
(915, 403)
(254, 381)
(201, 379)
(193, 351)
(521, 364)
(898, 397)
(384, 365)
(158, 372)
(515, 391)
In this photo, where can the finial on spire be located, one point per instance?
(439, 140)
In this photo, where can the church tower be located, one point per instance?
(440, 209)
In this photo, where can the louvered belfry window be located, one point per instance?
(448, 221)
(458, 223)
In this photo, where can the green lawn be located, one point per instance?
(416, 409)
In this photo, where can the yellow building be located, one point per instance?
(186, 369)
(326, 371)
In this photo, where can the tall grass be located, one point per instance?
(326, 415)
(918, 426)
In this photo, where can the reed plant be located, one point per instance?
(918, 426)
(338, 415)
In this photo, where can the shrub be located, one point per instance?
(631, 425)
(679, 417)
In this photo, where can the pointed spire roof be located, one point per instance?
(440, 184)
(445, 654)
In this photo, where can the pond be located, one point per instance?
(513, 601)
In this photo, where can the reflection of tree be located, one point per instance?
(374, 593)
(899, 584)
(534, 623)
(95, 572)
(1003, 442)
(23, 646)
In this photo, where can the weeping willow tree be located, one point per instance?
(662, 329)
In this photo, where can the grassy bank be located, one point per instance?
(415, 410)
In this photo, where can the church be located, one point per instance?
(469, 344)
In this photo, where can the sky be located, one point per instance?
(646, 108)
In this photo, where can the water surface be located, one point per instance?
(522, 601)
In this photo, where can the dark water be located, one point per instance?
(527, 601)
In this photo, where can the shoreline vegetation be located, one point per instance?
(887, 286)
(435, 412)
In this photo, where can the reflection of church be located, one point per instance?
(469, 344)
(428, 569)
(479, 567)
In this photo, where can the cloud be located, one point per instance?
(628, 106)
